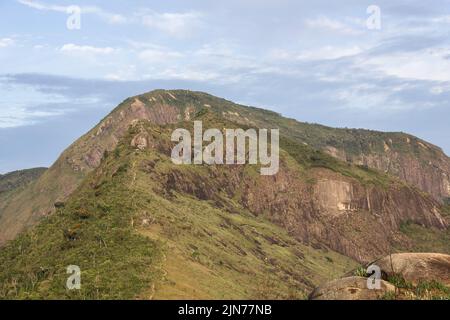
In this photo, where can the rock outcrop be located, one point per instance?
(416, 267)
(416, 275)
(429, 172)
(351, 288)
(359, 221)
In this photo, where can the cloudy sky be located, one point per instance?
(329, 62)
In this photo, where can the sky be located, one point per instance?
(64, 65)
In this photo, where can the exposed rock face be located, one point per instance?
(417, 267)
(358, 221)
(351, 288)
(140, 141)
(431, 175)
(106, 135)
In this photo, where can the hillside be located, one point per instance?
(18, 179)
(14, 183)
(411, 159)
(135, 237)
(141, 227)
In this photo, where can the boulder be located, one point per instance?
(140, 141)
(350, 288)
(416, 267)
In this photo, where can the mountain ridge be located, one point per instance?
(19, 178)
(171, 106)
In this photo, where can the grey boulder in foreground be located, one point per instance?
(417, 267)
(350, 288)
(413, 268)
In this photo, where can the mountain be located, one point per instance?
(116, 205)
(13, 180)
(12, 184)
(409, 158)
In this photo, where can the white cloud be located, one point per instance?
(26, 104)
(368, 98)
(186, 74)
(328, 24)
(41, 6)
(159, 55)
(322, 53)
(18, 116)
(6, 42)
(109, 17)
(442, 19)
(73, 48)
(174, 24)
(16, 112)
(124, 73)
(221, 49)
(427, 64)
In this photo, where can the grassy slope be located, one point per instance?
(17, 179)
(131, 241)
(14, 184)
(429, 240)
(91, 232)
(212, 253)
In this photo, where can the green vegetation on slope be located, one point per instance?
(308, 158)
(17, 179)
(424, 290)
(134, 238)
(228, 252)
(91, 231)
(13, 186)
(353, 141)
(427, 240)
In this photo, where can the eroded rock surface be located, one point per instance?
(350, 288)
(417, 267)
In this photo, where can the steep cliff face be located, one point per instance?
(317, 205)
(359, 221)
(429, 172)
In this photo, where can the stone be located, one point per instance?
(417, 267)
(140, 141)
(350, 288)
